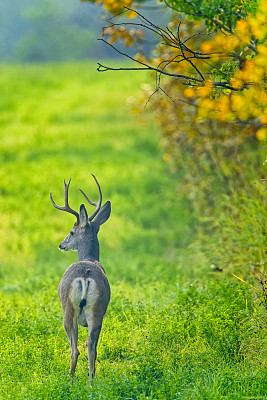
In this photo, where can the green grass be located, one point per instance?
(173, 329)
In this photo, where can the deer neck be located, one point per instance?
(88, 249)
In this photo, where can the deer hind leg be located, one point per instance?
(91, 342)
(71, 328)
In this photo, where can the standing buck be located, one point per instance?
(84, 290)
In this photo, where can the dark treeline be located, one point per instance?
(48, 30)
(61, 30)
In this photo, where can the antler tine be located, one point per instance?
(98, 204)
(66, 207)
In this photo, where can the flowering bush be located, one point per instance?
(223, 79)
(209, 99)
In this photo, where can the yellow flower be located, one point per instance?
(242, 27)
(222, 106)
(236, 83)
(243, 31)
(131, 14)
(263, 7)
(263, 119)
(167, 157)
(189, 92)
(262, 49)
(206, 47)
(205, 109)
(261, 134)
(205, 90)
(206, 104)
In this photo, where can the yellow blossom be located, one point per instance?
(263, 119)
(167, 156)
(242, 27)
(131, 14)
(236, 83)
(206, 47)
(205, 90)
(206, 104)
(189, 92)
(205, 109)
(222, 106)
(261, 134)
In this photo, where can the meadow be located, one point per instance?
(174, 329)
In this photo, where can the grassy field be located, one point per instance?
(174, 329)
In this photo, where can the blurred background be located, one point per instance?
(43, 31)
(188, 222)
(60, 118)
(62, 30)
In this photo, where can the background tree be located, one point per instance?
(209, 99)
(34, 31)
(225, 75)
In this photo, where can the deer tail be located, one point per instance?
(85, 285)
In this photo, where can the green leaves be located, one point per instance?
(217, 14)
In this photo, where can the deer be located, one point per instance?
(84, 290)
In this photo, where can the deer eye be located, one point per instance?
(71, 233)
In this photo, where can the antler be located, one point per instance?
(66, 207)
(98, 204)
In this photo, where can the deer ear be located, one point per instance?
(83, 217)
(103, 214)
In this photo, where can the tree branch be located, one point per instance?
(169, 39)
(103, 68)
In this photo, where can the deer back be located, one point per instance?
(85, 280)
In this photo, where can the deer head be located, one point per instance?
(83, 235)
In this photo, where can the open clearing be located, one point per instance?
(173, 330)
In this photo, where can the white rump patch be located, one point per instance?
(84, 289)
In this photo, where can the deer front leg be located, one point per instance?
(71, 328)
(91, 342)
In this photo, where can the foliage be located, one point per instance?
(246, 101)
(174, 329)
(114, 7)
(210, 102)
(225, 76)
(213, 144)
(217, 14)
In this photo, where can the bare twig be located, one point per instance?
(103, 68)
(164, 68)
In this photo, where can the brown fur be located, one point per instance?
(92, 314)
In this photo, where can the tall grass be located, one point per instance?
(173, 329)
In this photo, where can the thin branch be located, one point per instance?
(197, 34)
(185, 58)
(225, 86)
(103, 68)
(173, 41)
(166, 35)
(135, 24)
